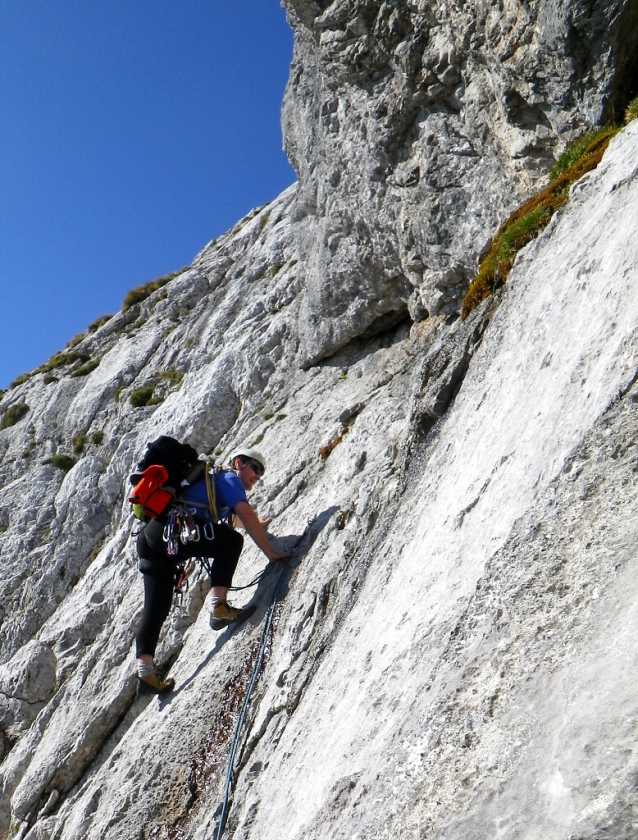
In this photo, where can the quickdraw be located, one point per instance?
(171, 533)
(180, 527)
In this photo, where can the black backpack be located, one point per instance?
(180, 461)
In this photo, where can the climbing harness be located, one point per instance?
(263, 642)
(184, 525)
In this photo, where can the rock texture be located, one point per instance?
(416, 127)
(453, 652)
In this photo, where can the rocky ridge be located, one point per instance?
(452, 653)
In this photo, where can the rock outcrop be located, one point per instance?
(453, 647)
(416, 127)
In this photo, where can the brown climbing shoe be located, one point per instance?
(152, 684)
(224, 614)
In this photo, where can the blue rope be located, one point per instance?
(251, 684)
(244, 707)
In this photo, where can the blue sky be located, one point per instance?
(131, 133)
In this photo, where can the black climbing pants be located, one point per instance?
(159, 570)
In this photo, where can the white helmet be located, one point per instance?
(243, 452)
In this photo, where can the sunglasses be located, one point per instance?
(256, 467)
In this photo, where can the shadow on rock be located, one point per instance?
(274, 578)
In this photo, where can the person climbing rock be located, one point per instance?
(213, 502)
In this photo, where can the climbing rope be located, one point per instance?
(244, 706)
(234, 744)
(182, 582)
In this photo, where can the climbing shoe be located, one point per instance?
(152, 684)
(223, 614)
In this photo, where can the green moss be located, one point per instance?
(632, 111)
(280, 417)
(61, 462)
(141, 396)
(86, 368)
(49, 378)
(14, 414)
(276, 269)
(534, 215)
(118, 391)
(140, 293)
(97, 437)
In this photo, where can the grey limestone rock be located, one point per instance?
(415, 128)
(453, 650)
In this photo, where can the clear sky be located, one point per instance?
(131, 134)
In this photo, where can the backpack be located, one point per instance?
(166, 464)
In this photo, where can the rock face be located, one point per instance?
(453, 650)
(417, 126)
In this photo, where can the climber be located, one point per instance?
(214, 500)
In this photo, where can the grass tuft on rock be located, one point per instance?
(171, 376)
(583, 147)
(78, 444)
(95, 325)
(631, 111)
(20, 379)
(534, 215)
(140, 293)
(61, 462)
(142, 396)
(62, 359)
(86, 368)
(14, 414)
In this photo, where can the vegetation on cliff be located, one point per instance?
(528, 220)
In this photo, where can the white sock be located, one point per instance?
(145, 669)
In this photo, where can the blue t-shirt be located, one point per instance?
(228, 491)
